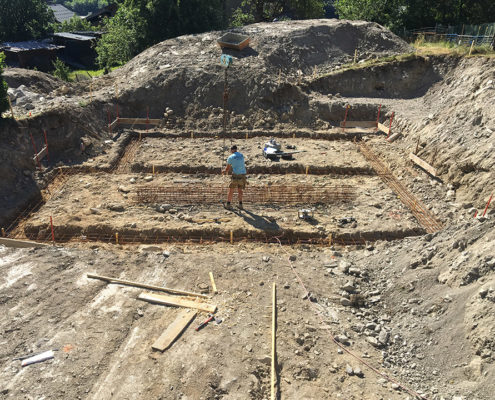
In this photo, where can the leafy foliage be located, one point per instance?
(139, 24)
(24, 19)
(75, 24)
(61, 71)
(267, 10)
(410, 14)
(4, 102)
(84, 7)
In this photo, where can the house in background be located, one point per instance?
(96, 18)
(78, 48)
(31, 54)
(61, 13)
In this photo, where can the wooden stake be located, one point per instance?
(213, 283)
(279, 76)
(330, 240)
(471, 49)
(293, 136)
(192, 135)
(274, 343)
(3, 233)
(51, 225)
(355, 56)
(116, 238)
(247, 135)
(153, 170)
(144, 286)
(231, 237)
(307, 169)
(11, 109)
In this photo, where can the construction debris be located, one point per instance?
(173, 331)
(177, 301)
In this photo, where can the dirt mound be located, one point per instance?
(35, 81)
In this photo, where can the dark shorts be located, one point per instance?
(238, 181)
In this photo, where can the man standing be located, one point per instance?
(235, 162)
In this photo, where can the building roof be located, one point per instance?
(61, 13)
(18, 47)
(73, 36)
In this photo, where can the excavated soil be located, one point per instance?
(401, 319)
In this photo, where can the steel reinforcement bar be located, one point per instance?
(286, 194)
(424, 217)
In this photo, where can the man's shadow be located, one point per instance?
(258, 221)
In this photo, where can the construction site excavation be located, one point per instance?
(359, 264)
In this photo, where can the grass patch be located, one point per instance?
(449, 48)
(85, 74)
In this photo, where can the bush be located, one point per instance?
(61, 70)
(4, 102)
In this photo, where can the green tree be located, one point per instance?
(139, 24)
(125, 37)
(384, 12)
(61, 70)
(4, 101)
(24, 19)
(75, 24)
(84, 7)
(266, 10)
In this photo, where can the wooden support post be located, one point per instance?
(140, 136)
(11, 109)
(471, 49)
(231, 237)
(116, 238)
(274, 343)
(153, 169)
(214, 287)
(307, 169)
(330, 239)
(35, 152)
(390, 126)
(46, 144)
(378, 117)
(144, 286)
(53, 233)
(487, 204)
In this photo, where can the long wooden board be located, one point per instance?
(20, 244)
(140, 121)
(423, 164)
(177, 301)
(383, 128)
(144, 286)
(358, 124)
(174, 330)
(40, 155)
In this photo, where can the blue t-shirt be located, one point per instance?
(237, 162)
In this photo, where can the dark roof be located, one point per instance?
(61, 13)
(110, 9)
(18, 47)
(73, 36)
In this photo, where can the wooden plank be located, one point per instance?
(177, 301)
(144, 286)
(140, 121)
(358, 124)
(274, 343)
(114, 123)
(174, 330)
(40, 155)
(383, 128)
(20, 244)
(213, 283)
(394, 137)
(423, 164)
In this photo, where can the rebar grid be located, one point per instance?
(424, 217)
(210, 194)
